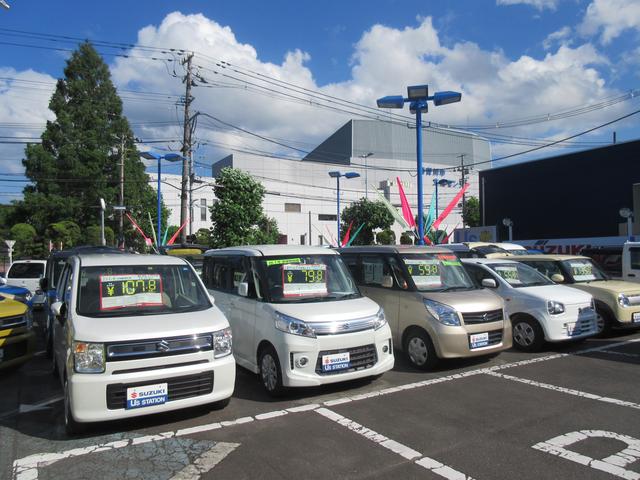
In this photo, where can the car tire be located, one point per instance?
(527, 334)
(419, 349)
(71, 426)
(270, 371)
(604, 322)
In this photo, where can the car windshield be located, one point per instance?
(519, 275)
(306, 278)
(26, 270)
(518, 252)
(583, 270)
(437, 272)
(111, 291)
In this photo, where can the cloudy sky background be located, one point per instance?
(511, 59)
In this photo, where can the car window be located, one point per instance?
(64, 287)
(545, 267)
(519, 275)
(477, 273)
(109, 291)
(352, 262)
(583, 270)
(26, 270)
(634, 253)
(374, 269)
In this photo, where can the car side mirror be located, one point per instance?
(44, 283)
(556, 277)
(387, 281)
(489, 283)
(59, 310)
(3, 281)
(243, 289)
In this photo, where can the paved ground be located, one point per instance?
(572, 411)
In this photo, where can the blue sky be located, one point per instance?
(512, 59)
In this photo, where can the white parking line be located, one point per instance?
(406, 452)
(613, 464)
(570, 391)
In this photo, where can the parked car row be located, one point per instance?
(140, 334)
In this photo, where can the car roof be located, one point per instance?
(394, 249)
(456, 247)
(28, 260)
(114, 259)
(509, 246)
(549, 257)
(271, 250)
(84, 249)
(488, 261)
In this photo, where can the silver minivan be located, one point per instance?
(433, 307)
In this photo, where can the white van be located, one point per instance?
(539, 309)
(620, 263)
(27, 274)
(137, 334)
(297, 316)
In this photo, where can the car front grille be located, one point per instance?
(495, 338)
(159, 347)
(359, 358)
(482, 317)
(13, 322)
(178, 388)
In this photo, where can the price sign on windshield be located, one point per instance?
(122, 291)
(425, 273)
(582, 271)
(509, 273)
(299, 280)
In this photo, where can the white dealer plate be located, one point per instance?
(635, 317)
(336, 361)
(147, 396)
(571, 328)
(478, 340)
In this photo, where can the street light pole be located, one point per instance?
(366, 173)
(418, 96)
(337, 175)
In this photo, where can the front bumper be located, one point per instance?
(570, 325)
(89, 392)
(625, 317)
(292, 349)
(455, 341)
(16, 349)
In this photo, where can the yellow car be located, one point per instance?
(617, 302)
(17, 339)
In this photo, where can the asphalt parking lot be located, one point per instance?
(571, 411)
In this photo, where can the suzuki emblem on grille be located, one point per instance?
(345, 326)
(485, 317)
(163, 346)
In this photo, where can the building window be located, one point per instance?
(292, 207)
(323, 217)
(302, 238)
(203, 209)
(320, 240)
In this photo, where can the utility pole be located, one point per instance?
(121, 202)
(463, 172)
(186, 150)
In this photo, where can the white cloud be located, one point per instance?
(561, 36)
(610, 18)
(384, 61)
(538, 4)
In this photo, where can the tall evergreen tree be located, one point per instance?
(77, 162)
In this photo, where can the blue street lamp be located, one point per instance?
(337, 175)
(418, 96)
(170, 157)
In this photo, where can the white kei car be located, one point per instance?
(538, 308)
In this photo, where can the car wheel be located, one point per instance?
(419, 349)
(603, 322)
(527, 334)
(270, 372)
(70, 425)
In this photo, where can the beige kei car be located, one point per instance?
(433, 307)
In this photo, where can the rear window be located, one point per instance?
(26, 270)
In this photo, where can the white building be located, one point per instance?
(301, 195)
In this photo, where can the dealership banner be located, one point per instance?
(475, 234)
(571, 246)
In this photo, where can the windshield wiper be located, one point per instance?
(458, 287)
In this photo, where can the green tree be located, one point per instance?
(237, 214)
(27, 242)
(373, 214)
(203, 236)
(66, 233)
(77, 162)
(266, 232)
(471, 212)
(92, 235)
(386, 237)
(406, 238)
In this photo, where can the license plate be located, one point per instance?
(336, 361)
(635, 317)
(478, 340)
(146, 396)
(571, 328)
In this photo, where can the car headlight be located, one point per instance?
(555, 308)
(293, 326)
(381, 320)
(623, 300)
(442, 313)
(222, 343)
(88, 357)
